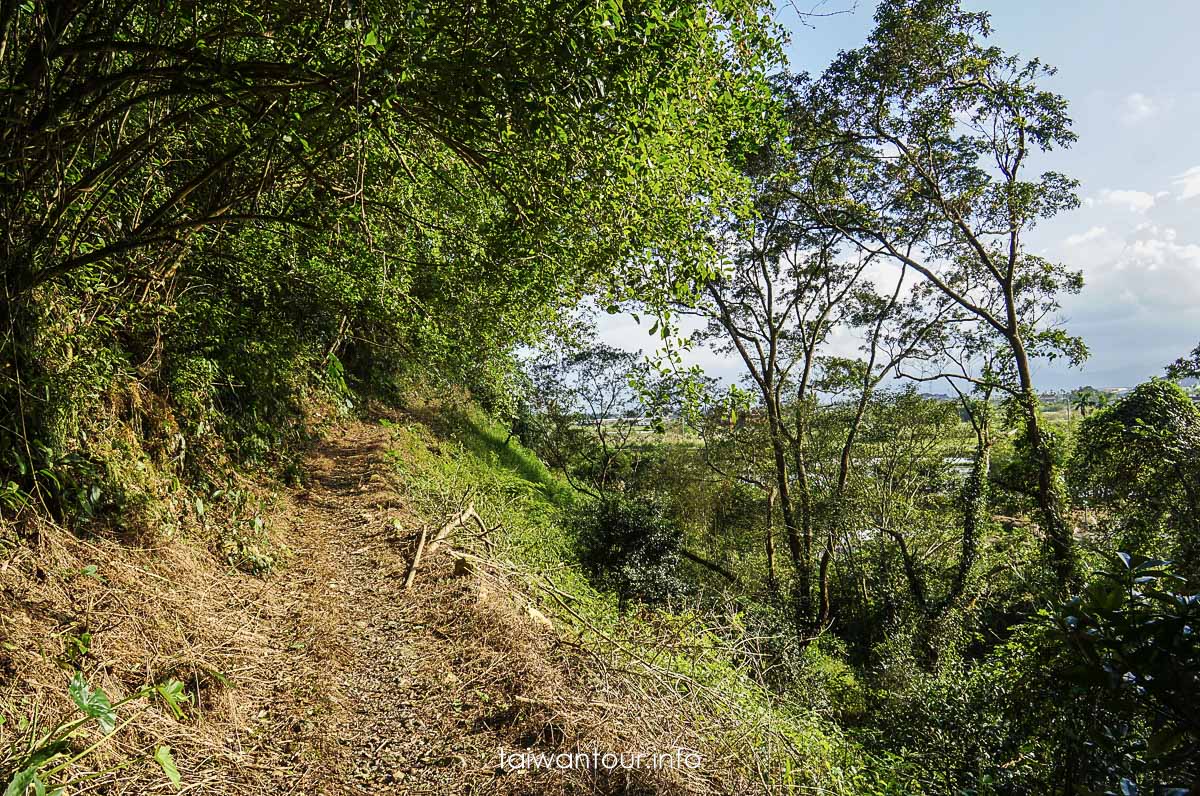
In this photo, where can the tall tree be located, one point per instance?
(774, 310)
(921, 142)
(786, 288)
(343, 180)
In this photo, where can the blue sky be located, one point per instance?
(1131, 72)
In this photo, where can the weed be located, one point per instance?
(246, 547)
(41, 760)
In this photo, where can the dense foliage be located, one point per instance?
(1137, 462)
(210, 212)
(632, 546)
(951, 550)
(223, 226)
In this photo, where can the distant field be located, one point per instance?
(1060, 414)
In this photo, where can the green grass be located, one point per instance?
(459, 456)
(448, 457)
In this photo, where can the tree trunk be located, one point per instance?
(833, 517)
(772, 577)
(826, 611)
(802, 585)
(975, 500)
(916, 583)
(711, 566)
(1050, 497)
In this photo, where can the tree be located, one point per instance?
(1138, 461)
(774, 310)
(1187, 367)
(254, 194)
(969, 360)
(1083, 399)
(634, 547)
(592, 402)
(1086, 399)
(921, 141)
(786, 288)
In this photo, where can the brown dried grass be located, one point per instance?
(327, 677)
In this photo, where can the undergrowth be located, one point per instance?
(457, 455)
(47, 758)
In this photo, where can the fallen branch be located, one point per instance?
(543, 703)
(412, 567)
(440, 538)
(711, 566)
(444, 533)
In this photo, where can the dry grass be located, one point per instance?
(326, 676)
(150, 612)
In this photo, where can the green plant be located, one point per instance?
(1137, 462)
(41, 761)
(246, 547)
(1131, 639)
(632, 546)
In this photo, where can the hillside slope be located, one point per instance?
(327, 676)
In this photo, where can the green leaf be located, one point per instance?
(93, 703)
(27, 776)
(1164, 741)
(162, 755)
(173, 694)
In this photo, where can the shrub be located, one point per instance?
(632, 546)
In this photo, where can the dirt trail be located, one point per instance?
(407, 686)
(324, 677)
(417, 691)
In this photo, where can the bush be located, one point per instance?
(1137, 463)
(1129, 644)
(632, 546)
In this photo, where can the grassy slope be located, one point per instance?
(449, 456)
(173, 599)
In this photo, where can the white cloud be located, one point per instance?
(1138, 309)
(1154, 271)
(1080, 238)
(1135, 201)
(1157, 249)
(1148, 231)
(1189, 183)
(1137, 107)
